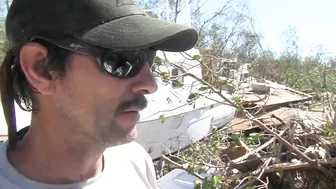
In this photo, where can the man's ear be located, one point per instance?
(33, 58)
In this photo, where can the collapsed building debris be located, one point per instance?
(279, 147)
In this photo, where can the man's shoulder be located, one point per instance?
(131, 154)
(133, 159)
(6, 170)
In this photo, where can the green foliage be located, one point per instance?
(330, 131)
(162, 118)
(192, 97)
(214, 183)
(204, 88)
(253, 139)
(309, 75)
(197, 57)
(165, 76)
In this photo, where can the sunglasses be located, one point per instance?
(118, 63)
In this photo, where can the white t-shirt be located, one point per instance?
(126, 167)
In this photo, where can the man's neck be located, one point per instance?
(48, 158)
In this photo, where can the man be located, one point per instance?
(82, 67)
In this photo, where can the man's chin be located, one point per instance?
(122, 132)
(123, 138)
(132, 134)
(127, 125)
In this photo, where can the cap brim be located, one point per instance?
(139, 31)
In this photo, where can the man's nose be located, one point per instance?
(144, 82)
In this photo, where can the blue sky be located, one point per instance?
(315, 22)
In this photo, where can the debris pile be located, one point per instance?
(282, 149)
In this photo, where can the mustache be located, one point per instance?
(139, 102)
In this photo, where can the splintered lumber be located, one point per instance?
(242, 124)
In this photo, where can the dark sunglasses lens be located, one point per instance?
(124, 64)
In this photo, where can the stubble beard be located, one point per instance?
(113, 135)
(96, 127)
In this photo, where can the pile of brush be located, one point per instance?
(298, 151)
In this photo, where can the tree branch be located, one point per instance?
(214, 16)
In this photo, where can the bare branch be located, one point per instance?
(212, 88)
(214, 16)
(199, 7)
(176, 10)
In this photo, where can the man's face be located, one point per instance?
(98, 105)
